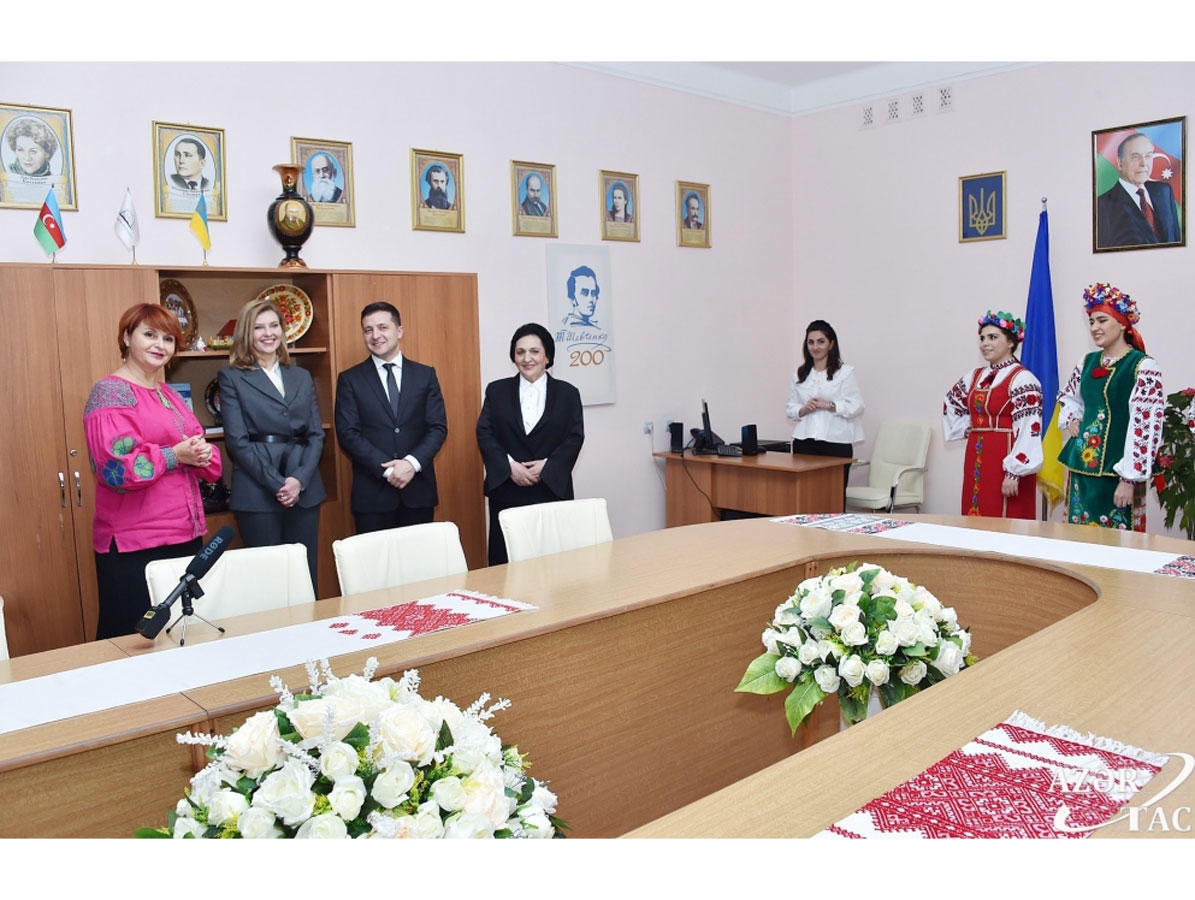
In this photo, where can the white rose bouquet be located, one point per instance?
(357, 758)
(853, 630)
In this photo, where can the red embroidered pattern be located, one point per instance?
(1011, 792)
(420, 616)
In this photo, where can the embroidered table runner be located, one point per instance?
(49, 698)
(1049, 549)
(1010, 782)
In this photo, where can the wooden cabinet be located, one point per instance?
(59, 338)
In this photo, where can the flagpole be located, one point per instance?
(1041, 496)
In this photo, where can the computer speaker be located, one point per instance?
(750, 441)
(677, 430)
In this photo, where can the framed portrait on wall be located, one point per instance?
(533, 199)
(619, 209)
(327, 179)
(1137, 176)
(188, 162)
(437, 191)
(981, 207)
(37, 153)
(692, 214)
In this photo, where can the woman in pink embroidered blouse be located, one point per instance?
(148, 453)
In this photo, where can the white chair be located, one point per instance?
(3, 635)
(381, 559)
(545, 528)
(896, 475)
(246, 580)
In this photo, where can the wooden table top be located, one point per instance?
(1122, 667)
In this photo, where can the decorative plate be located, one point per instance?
(211, 398)
(297, 311)
(176, 299)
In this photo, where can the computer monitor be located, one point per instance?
(704, 438)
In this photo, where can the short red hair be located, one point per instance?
(156, 317)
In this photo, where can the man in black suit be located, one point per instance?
(1136, 211)
(533, 204)
(190, 156)
(436, 178)
(391, 423)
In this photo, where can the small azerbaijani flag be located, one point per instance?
(48, 229)
(199, 224)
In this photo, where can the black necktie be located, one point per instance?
(392, 388)
(193, 184)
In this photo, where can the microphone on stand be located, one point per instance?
(151, 624)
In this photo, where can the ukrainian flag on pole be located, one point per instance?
(199, 224)
(1040, 356)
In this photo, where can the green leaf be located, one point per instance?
(358, 738)
(151, 833)
(854, 710)
(801, 702)
(917, 651)
(444, 740)
(761, 677)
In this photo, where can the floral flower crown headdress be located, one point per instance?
(1006, 321)
(1101, 294)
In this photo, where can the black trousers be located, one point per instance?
(393, 518)
(290, 525)
(505, 496)
(810, 447)
(123, 593)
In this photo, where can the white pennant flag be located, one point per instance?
(126, 223)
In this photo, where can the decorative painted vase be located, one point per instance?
(290, 217)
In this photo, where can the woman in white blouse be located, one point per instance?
(824, 399)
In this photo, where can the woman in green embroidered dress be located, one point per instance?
(1111, 413)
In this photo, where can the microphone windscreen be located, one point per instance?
(206, 558)
(151, 624)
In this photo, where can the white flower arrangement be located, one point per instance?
(853, 630)
(355, 758)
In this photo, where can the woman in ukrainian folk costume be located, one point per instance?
(1111, 411)
(998, 408)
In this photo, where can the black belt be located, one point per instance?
(300, 439)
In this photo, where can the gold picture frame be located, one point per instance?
(327, 173)
(189, 161)
(437, 191)
(37, 153)
(532, 199)
(692, 214)
(619, 224)
(983, 207)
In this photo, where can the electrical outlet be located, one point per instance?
(649, 427)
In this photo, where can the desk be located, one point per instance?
(622, 681)
(698, 488)
(1079, 672)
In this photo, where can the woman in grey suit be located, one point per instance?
(273, 435)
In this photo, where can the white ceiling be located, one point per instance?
(795, 88)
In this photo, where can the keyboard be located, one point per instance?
(729, 450)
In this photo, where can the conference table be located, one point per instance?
(622, 681)
(699, 487)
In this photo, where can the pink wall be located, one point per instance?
(812, 217)
(690, 323)
(876, 247)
